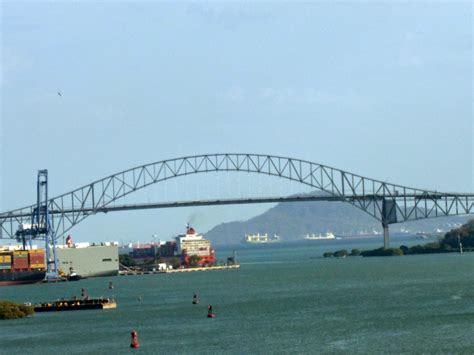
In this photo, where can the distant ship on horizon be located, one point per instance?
(261, 238)
(327, 236)
(361, 234)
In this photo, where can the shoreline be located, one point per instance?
(206, 268)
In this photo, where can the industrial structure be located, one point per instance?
(386, 202)
(40, 226)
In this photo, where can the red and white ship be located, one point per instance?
(191, 244)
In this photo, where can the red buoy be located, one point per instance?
(209, 312)
(134, 343)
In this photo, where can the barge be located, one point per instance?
(76, 305)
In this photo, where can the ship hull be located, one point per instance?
(21, 277)
(322, 238)
(93, 261)
(255, 242)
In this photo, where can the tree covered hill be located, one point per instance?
(465, 233)
(293, 220)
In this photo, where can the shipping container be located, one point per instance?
(20, 259)
(36, 253)
(20, 252)
(36, 256)
(20, 255)
(36, 259)
(37, 266)
(5, 258)
(20, 264)
(36, 262)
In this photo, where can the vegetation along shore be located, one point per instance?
(12, 310)
(457, 240)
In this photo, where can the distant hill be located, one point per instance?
(292, 220)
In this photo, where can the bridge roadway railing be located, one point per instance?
(388, 203)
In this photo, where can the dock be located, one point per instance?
(169, 271)
(207, 268)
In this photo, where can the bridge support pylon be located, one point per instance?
(386, 236)
(389, 215)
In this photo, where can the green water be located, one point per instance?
(284, 299)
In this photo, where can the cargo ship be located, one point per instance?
(327, 236)
(191, 245)
(84, 260)
(22, 266)
(261, 239)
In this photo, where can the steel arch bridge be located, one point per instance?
(386, 202)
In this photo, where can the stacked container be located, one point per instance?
(20, 260)
(37, 259)
(5, 261)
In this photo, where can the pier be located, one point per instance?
(169, 271)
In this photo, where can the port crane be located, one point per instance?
(41, 226)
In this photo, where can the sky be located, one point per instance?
(381, 89)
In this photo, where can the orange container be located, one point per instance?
(36, 259)
(37, 266)
(37, 252)
(5, 259)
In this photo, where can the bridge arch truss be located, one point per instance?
(386, 202)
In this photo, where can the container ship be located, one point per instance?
(21, 266)
(193, 244)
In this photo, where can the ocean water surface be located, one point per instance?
(285, 298)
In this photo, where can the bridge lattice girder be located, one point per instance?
(369, 195)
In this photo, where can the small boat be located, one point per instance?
(76, 305)
(74, 277)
